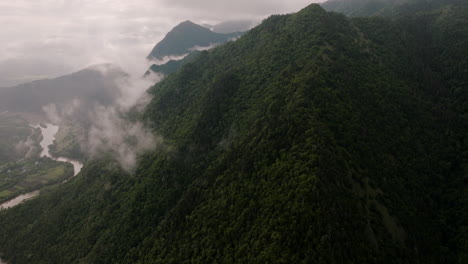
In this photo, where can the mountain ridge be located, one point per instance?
(185, 36)
(96, 82)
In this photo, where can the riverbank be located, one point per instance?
(19, 199)
(49, 131)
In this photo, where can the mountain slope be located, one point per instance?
(186, 36)
(356, 8)
(312, 139)
(172, 65)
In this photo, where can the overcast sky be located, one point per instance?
(48, 38)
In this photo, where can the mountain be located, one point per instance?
(186, 37)
(93, 84)
(172, 65)
(233, 26)
(314, 138)
(356, 8)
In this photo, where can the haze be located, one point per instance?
(48, 38)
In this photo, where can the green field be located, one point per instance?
(32, 174)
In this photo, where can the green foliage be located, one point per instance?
(389, 8)
(314, 138)
(69, 139)
(30, 175)
(21, 170)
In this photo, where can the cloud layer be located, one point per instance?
(49, 38)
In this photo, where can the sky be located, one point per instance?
(49, 38)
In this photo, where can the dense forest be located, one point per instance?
(314, 138)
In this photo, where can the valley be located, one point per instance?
(33, 172)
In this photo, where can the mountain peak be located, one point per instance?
(182, 38)
(312, 8)
(188, 24)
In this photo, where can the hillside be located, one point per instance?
(186, 36)
(172, 65)
(357, 8)
(314, 138)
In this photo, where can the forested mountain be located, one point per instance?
(172, 65)
(314, 138)
(93, 84)
(185, 37)
(357, 8)
(233, 26)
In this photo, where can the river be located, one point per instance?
(48, 134)
(18, 200)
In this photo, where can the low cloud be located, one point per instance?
(111, 133)
(52, 114)
(108, 129)
(25, 148)
(166, 59)
(50, 38)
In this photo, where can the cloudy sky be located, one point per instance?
(48, 38)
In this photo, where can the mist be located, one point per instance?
(49, 38)
(108, 131)
(113, 134)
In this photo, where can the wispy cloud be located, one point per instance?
(48, 38)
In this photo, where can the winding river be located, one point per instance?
(48, 134)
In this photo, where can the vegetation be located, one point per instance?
(389, 8)
(315, 138)
(21, 169)
(171, 66)
(29, 175)
(69, 139)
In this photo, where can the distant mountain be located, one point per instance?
(187, 37)
(233, 26)
(96, 83)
